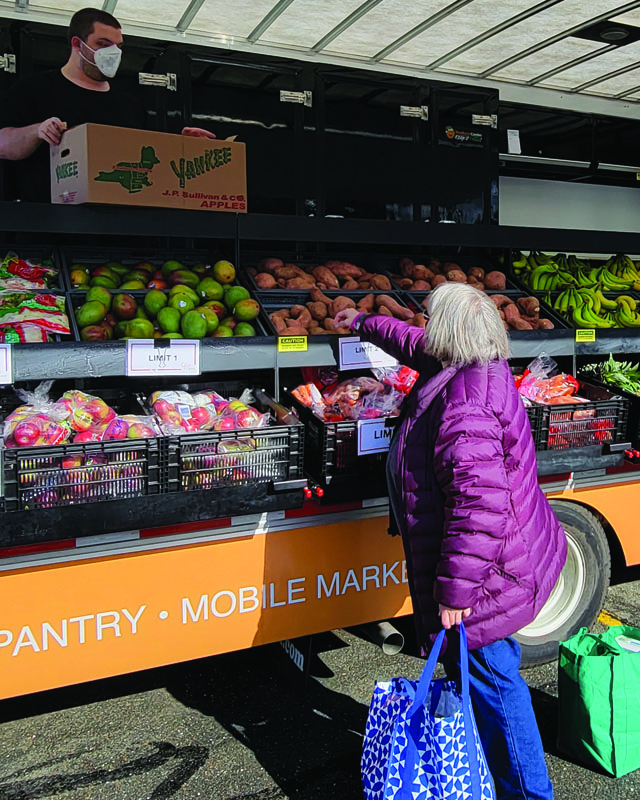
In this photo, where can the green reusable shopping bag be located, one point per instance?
(599, 700)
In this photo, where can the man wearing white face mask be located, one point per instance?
(39, 108)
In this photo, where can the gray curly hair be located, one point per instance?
(464, 326)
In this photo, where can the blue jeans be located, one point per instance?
(505, 719)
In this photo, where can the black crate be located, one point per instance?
(415, 299)
(307, 262)
(332, 460)
(262, 324)
(274, 301)
(95, 257)
(39, 254)
(240, 457)
(633, 426)
(75, 474)
(601, 421)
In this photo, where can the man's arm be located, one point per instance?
(19, 143)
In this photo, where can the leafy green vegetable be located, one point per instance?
(622, 374)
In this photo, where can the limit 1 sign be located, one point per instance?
(163, 357)
(355, 354)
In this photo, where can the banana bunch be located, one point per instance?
(589, 308)
(624, 269)
(544, 273)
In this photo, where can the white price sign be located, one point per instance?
(6, 365)
(163, 357)
(373, 436)
(355, 354)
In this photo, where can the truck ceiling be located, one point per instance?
(571, 54)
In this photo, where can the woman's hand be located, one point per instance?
(344, 319)
(452, 616)
(198, 133)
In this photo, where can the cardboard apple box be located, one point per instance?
(104, 164)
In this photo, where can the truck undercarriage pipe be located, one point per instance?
(388, 638)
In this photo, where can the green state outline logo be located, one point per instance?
(132, 175)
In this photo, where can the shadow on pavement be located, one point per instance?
(308, 739)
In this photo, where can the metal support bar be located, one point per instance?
(109, 6)
(280, 7)
(421, 28)
(187, 18)
(606, 77)
(615, 12)
(346, 23)
(463, 48)
(573, 63)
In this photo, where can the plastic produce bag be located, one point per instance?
(181, 412)
(39, 421)
(16, 274)
(46, 311)
(542, 383)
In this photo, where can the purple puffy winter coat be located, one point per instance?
(477, 530)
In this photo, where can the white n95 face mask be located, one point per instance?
(106, 59)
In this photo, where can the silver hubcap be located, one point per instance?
(563, 600)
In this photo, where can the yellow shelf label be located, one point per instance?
(588, 335)
(292, 344)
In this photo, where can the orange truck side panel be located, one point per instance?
(619, 504)
(61, 625)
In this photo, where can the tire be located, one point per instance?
(578, 596)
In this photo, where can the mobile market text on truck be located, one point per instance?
(363, 132)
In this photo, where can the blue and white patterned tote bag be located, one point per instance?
(421, 740)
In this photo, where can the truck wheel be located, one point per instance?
(578, 596)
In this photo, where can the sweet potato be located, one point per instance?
(381, 282)
(545, 325)
(476, 272)
(495, 281)
(404, 283)
(406, 266)
(367, 304)
(533, 321)
(435, 265)
(350, 285)
(324, 275)
(343, 269)
(318, 297)
(501, 312)
(265, 280)
(511, 313)
(366, 285)
(322, 286)
(295, 331)
(281, 283)
(301, 315)
(437, 280)
(314, 330)
(287, 273)
(340, 303)
(331, 327)
(299, 283)
(252, 271)
(421, 273)
(279, 323)
(421, 286)
(500, 300)
(449, 266)
(521, 325)
(384, 311)
(318, 310)
(283, 313)
(419, 320)
(425, 304)
(529, 306)
(456, 276)
(476, 284)
(270, 265)
(398, 311)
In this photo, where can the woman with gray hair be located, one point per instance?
(481, 542)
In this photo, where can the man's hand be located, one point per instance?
(51, 130)
(198, 133)
(453, 616)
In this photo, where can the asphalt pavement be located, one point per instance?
(242, 726)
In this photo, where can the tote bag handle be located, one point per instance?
(419, 697)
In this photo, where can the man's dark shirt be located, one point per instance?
(34, 98)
